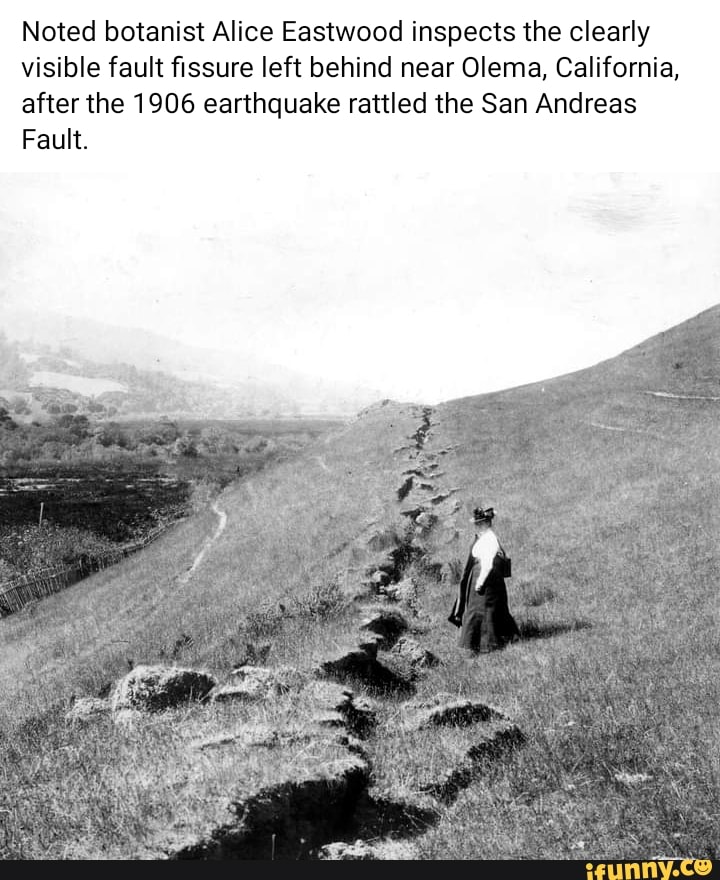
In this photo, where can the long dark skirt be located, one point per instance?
(486, 622)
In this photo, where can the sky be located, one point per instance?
(424, 286)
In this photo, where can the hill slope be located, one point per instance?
(206, 382)
(607, 501)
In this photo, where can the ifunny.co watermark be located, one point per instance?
(659, 869)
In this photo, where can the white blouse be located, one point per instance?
(484, 550)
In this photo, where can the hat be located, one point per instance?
(481, 515)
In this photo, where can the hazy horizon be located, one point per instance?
(360, 389)
(427, 288)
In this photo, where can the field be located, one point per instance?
(78, 384)
(118, 481)
(606, 497)
(115, 503)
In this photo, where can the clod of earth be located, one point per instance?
(385, 563)
(338, 706)
(253, 736)
(378, 579)
(346, 852)
(415, 654)
(442, 496)
(493, 745)
(419, 437)
(328, 719)
(505, 737)
(262, 681)
(426, 520)
(456, 713)
(87, 709)
(329, 696)
(356, 665)
(404, 488)
(412, 512)
(370, 643)
(154, 688)
(405, 591)
(382, 540)
(241, 693)
(388, 624)
(394, 562)
(382, 850)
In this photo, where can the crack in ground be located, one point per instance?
(311, 817)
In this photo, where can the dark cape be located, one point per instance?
(484, 617)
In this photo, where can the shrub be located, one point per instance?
(34, 547)
(320, 602)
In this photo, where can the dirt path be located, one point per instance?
(606, 427)
(624, 430)
(681, 396)
(222, 522)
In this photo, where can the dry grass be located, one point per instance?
(143, 788)
(289, 536)
(613, 537)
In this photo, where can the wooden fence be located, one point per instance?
(16, 593)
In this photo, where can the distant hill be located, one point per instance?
(606, 484)
(200, 382)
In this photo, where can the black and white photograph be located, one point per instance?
(361, 516)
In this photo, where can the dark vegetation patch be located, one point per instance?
(36, 548)
(72, 487)
(117, 503)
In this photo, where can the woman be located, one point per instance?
(481, 608)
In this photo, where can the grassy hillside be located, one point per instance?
(607, 502)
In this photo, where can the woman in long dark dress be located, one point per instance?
(481, 608)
